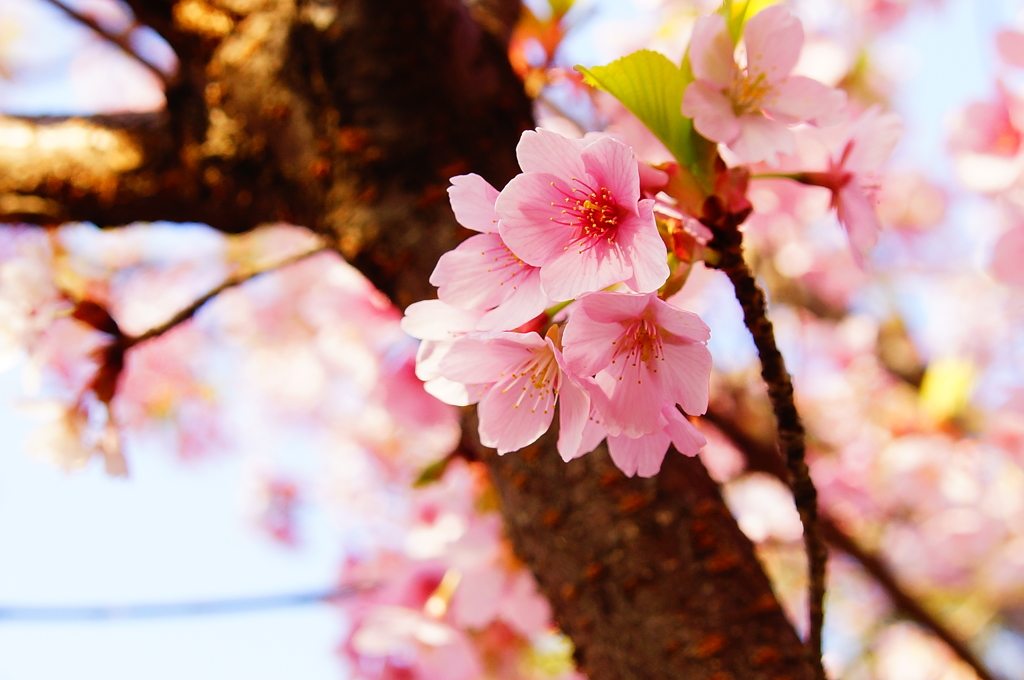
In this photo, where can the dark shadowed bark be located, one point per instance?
(348, 117)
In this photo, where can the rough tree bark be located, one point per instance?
(348, 117)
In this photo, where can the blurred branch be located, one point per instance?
(765, 458)
(161, 610)
(112, 170)
(120, 40)
(904, 602)
(232, 282)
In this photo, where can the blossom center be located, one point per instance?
(643, 345)
(539, 372)
(593, 213)
(748, 91)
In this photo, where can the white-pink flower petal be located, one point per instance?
(472, 199)
(546, 151)
(773, 39)
(711, 51)
(711, 111)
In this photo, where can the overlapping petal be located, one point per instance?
(472, 199)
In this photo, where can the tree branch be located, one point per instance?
(188, 312)
(116, 169)
(171, 609)
(791, 435)
(763, 457)
(120, 41)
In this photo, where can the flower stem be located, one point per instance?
(777, 175)
(188, 312)
(555, 309)
(791, 436)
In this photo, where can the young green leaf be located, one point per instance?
(738, 13)
(651, 87)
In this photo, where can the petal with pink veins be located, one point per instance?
(634, 398)
(589, 343)
(479, 274)
(611, 165)
(546, 151)
(527, 302)
(514, 413)
(682, 323)
(437, 320)
(645, 250)
(610, 307)
(533, 221)
(488, 358)
(685, 373)
(583, 267)
(428, 369)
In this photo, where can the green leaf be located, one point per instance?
(738, 13)
(651, 87)
(433, 472)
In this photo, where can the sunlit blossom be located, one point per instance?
(749, 106)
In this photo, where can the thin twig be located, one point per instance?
(169, 609)
(761, 457)
(188, 312)
(120, 40)
(791, 437)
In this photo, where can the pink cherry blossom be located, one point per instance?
(1007, 257)
(576, 213)
(643, 455)
(1010, 45)
(749, 108)
(851, 175)
(438, 325)
(403, 643)
(644, 353)
(990, 128)
(482, 273)
(522, 377)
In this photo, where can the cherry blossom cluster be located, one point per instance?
(746, 97)
(449, 600)
(572, 249)
(571, 245)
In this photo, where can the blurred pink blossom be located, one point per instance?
(750, 107)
